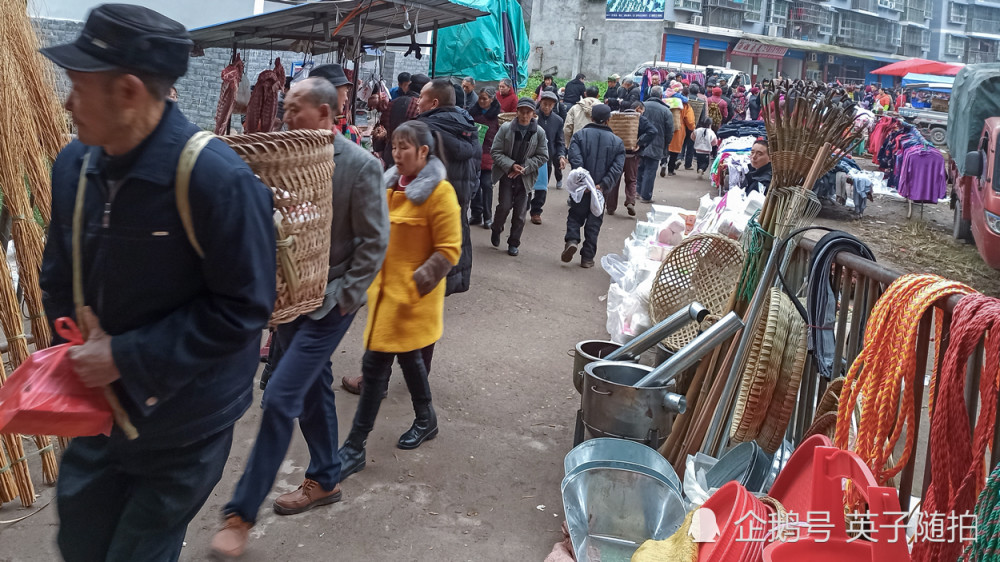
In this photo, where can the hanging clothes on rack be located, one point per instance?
(913, 166)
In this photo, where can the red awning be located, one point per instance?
(920, 66)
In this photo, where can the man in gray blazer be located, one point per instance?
(301, 386)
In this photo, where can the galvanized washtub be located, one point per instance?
(609, 450)
(610, 512)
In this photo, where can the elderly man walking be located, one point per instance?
(552, 124)
(662, 119)
(599, 151)
(301, 386)
(175, 334)
(519, 151)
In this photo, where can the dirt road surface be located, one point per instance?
(488, 487)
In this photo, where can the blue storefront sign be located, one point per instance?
(635, 9)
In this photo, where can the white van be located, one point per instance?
(733, 77)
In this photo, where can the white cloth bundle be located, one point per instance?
(579, 182)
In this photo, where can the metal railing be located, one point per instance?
(858, 283)
(975, 56)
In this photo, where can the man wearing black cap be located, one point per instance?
(552, 124)
(519, 151)
(174, 331)
(334, 73)
(598, 150)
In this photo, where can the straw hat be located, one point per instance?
(786, 391)
(772, 376)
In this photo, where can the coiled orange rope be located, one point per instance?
(958, 456)
(884, 372)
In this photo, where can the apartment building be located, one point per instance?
(816, 39)
(965, 31)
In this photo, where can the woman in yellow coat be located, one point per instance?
(406, 300)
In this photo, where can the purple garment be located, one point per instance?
(922, 177)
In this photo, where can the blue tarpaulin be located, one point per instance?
(492, 47)
(914, 78)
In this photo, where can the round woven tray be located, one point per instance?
(297, 166)
(786, 391)
(703, 268)
(830, 401)
(506, 117)
(824, 424)
(626, 126)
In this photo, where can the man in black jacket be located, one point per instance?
(659, 116)
(599, 151)
(397, 112)
(631, 93)
(552, 124)
(574, 91)
(614, 94)
(458, 139)
(174, 334)
(647, 133)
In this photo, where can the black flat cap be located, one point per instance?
(332, 72)
(126, 37)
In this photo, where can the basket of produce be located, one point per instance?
(297, 166)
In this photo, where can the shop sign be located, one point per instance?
(635, 9)
(749, 48)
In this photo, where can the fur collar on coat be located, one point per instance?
(423, 185)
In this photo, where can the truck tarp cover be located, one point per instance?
(492, 47)
(974, 98)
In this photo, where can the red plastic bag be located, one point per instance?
(44, 396)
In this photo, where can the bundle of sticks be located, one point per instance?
(34, 128)
(801, 119)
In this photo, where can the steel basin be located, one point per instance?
(609, 449)
(610, 512)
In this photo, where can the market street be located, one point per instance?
(506, 405)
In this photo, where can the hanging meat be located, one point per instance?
(231, 76)
(263, 106)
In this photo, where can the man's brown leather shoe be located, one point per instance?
(351, 384)
(231, 541)
(309, 495)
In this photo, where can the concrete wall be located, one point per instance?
(607, 46)
(192, 13)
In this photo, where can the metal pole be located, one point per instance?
(434, 48)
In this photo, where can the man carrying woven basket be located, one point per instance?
(301, 386)
(174, 336)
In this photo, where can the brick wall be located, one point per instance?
(199, 88)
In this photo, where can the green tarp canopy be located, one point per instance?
(974, 98)
(483, 48)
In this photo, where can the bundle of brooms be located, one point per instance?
(807, 135)
(33, 126)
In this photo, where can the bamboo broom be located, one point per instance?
(8, 488)
(41, 105)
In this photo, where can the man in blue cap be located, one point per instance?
(175, 334)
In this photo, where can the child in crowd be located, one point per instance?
(704, 140)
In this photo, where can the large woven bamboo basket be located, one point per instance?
(705, 269)
(626, 126)
(506, 117)
(297, 166)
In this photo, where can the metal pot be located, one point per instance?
(613, 407)
(587, 352)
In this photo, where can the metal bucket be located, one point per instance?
(609, 449)
(587, 352)
(613, 407)
(610, 512)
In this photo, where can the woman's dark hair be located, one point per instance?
(416, 133)
(548, 77)
(706, 123)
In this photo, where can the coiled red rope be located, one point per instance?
(958, 455)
